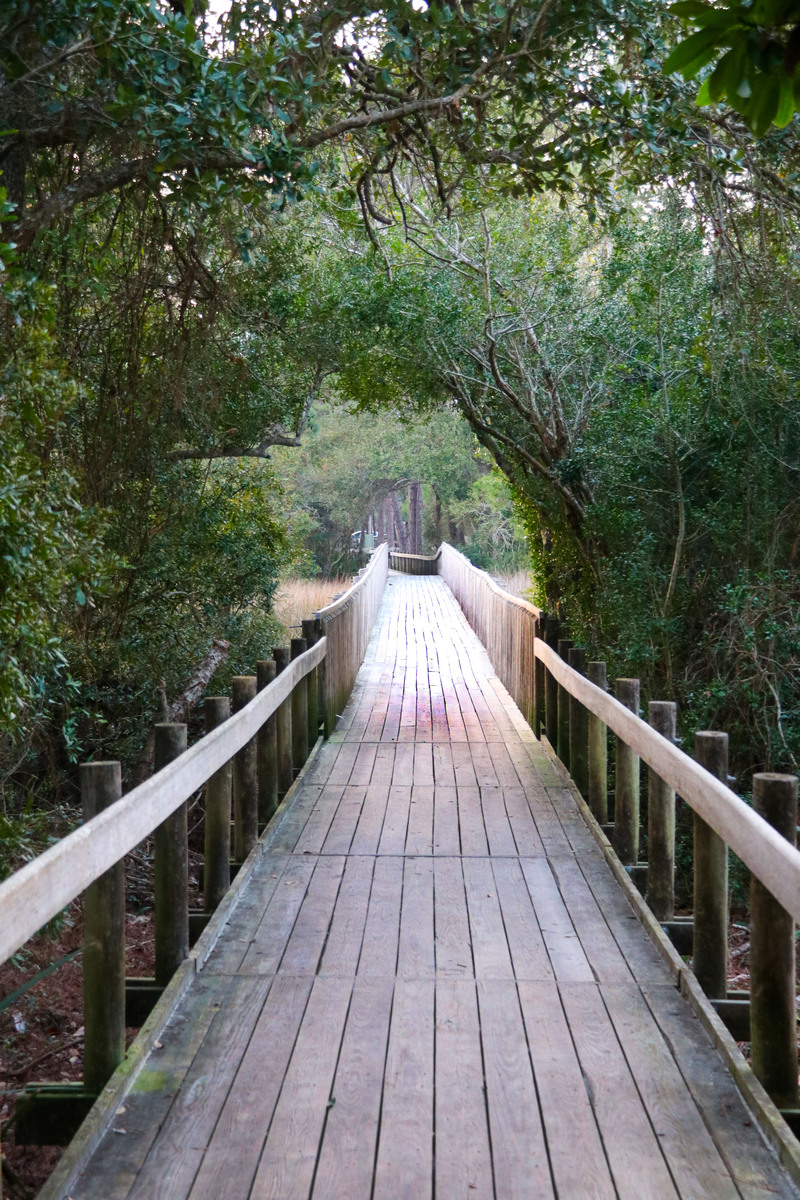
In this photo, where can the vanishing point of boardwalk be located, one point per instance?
(432, 985)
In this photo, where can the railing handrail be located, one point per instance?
(335, 606)
(770, 857)
(37, 892)
(492, 583)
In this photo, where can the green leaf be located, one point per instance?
(785, 105)
(690, 55)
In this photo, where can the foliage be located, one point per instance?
(351, 462)
(755, 46)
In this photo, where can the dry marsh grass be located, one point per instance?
(299, 598)
(515, 582)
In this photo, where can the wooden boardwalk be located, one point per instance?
(433, 985)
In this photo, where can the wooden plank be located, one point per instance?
(403, 773)
(119, 1159)
(419, 835)
(463, 766)
(443, 773)
(235, 1146)
(286, 1168)
(266, 949)
(637, 949)
(495, 819)
(489, 945)
(446, 836)
(370, 823)
(452, 946)
(404, 1164)
(347, 1157)
(177, 1152)
(695, 1162)
(361, 773)
(632, 1147)
(529, 955)
(382, 927)
(422, 771)
(483, 766)
(345, 761)
(523, 826)
(577, 1160)
(463, 1158)
(470, 822)
(304, 947)
(415, 957)
(312, 839)
(519, 1150)
(598, 943)
(563, 945)
(395, 823)
(751, 1163)
(343, 825)
(343, 946)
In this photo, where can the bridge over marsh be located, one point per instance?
(432, 977)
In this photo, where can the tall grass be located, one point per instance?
(299, 598)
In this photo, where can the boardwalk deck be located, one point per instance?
(433, 985)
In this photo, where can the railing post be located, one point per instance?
(283, 725)
(578, 729)
(104, 942)
(217, 865)
(245, 778)
(626, 792)
(309, 627)
(551, 686)
(539, 684)
(322, 703)
(562, 740)
(267, 749)
(663, 717)
(299, 710)
(710, 959)
(597, 737)
(773, 1017)
(171, 853)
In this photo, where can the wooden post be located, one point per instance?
(309, 628)
(551, 687)
(267, 747)
(299, 710)
(710, 959)
(171, 854)
(539, 683)
(597, 737)
(773, 1019)
(626, 795)
(562, 740)
(663, 717)
(283, 725)
(579, 729)
(322, 704)
(245, 777)
(217, 867)
(104, 942)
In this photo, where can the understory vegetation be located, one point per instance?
(479, 273)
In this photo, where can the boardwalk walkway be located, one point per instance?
(432, 985)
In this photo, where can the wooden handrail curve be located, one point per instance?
(37, 892)
(768, 854)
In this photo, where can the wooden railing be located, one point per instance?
(347, 625)
(547, 677)
(505, 624)
(414, 564)
(246, 761)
